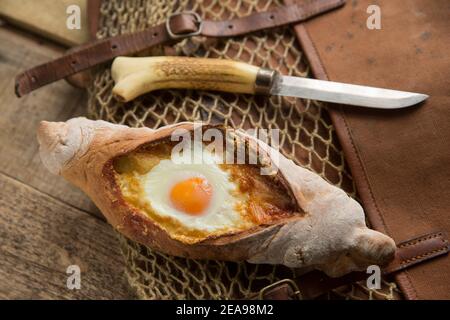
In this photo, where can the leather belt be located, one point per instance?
(313, 284)
(178, 26)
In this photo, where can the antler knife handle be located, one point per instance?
(136, 76)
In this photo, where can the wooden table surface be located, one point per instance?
(45, 223)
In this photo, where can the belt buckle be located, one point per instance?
(297, 293)
(198, 19)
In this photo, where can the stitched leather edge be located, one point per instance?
(421, 239)
(319, 283)
(405, 262)
(337, 117)
(422, 256)
(405, 284)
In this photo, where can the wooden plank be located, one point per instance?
(42, 236)
(47, 18)
(19, 156)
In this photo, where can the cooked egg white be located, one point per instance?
(199, 196)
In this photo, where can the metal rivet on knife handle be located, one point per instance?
(264, 80)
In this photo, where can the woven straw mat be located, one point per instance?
(307, 136)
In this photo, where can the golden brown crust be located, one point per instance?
(330, 233)
(263, 199)
(269, 199)
(235, 246)
(137, 225)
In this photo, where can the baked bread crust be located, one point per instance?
(330, 234)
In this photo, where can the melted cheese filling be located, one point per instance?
(240, 197)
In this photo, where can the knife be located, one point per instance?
(136, 76)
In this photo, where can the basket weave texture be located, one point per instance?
(307, 136)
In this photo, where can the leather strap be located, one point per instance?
(417, 250)
(93, 16)
(178, 26)
(315, 283)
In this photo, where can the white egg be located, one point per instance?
(220, 214)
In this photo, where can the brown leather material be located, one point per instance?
(93, 14)
(418, 250)
(258, 21)
(399, 159)
(87, 56)
(82, 79)
(183, 24)
(409, 253)
(101, 51)
(311, 285)
(281, 292)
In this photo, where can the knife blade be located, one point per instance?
(136, 76)
(343, 93)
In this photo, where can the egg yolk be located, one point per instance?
(191, 196)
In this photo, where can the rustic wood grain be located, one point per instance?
(19, 156)
(41, 237)
(46, 224)
(47, 18)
